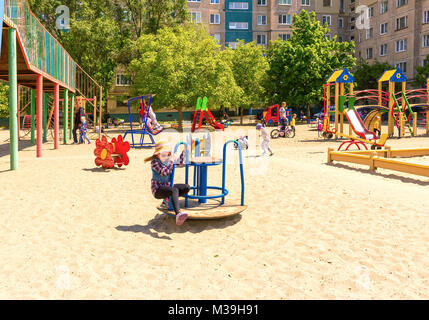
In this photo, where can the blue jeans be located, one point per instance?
(83, 135)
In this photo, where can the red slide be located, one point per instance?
(212, 121)
(358, 126)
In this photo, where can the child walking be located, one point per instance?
(265, 139)
(162, 162)
(83, 131)
(293, 122)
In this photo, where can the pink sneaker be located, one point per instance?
(181, 218)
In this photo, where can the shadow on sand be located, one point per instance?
(22, 145)
(164, 224)
(378, 174)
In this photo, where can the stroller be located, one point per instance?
(243, 141)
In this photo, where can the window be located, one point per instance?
(262, 2)
(383, 7)
(328, 36)
(195, 17)
(305, 2)
(425, 41)
(401, 45)
(239, 25)
(401, 23)
(370, 12)
(383, 28)
(214, 1)
(232, 45)
(288, 2)
(342, 9)
(340, 23)
(262, 20)
(402, 66)
(340, 38)
(217, 37)
(400, 3)
(369, 33)
(122, 80)
(239, 5)
(285, 19)
(327, 3)
(424, 62)
(261, 39)
(326, 19)
(284, 36)
(215, 18)
(426, 17)
(369, 53)
(194, 0)
(383, 49)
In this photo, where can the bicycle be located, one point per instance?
(286, 132)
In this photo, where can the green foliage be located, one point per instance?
(422, 75)
(249, 67)
(4, 100)
(300, 66)
(181, 64)
(366, 75)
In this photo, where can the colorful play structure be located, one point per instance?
(362, 135)
(383, 159)
(32, 58)
(202, 112)
(271, 115)
(110, 154)
(145, 104)
(397, 105)
(196, 203)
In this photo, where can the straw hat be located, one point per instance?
(160, 147)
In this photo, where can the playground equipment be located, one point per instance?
(146, 129)
(382, 159)
(271, 115)
(356, 125)
(35, 59)
(203, 112)
(199, 146)
(108, 154)
(196, 204)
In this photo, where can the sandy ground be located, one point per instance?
(311, 231)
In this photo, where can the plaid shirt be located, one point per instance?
(84, 127)
(164, 170)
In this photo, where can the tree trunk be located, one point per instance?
(180, 119)
(308, 112)
(241, 115)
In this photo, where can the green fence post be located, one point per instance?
(13, 100)
(66, 113)
(45, 120)
(33, 118)
(71, 115)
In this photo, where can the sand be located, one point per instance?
(311, 231)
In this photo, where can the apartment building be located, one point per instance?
(392, 31)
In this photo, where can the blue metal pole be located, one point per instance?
(174, 170)
(131, 122)
(241, 170)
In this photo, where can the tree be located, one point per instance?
(299, 67)
(366, 75)
(181, 64)
(148, 16)
(249, 67)
(4, 99)
(422, 74)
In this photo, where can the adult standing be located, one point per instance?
(77, 121)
